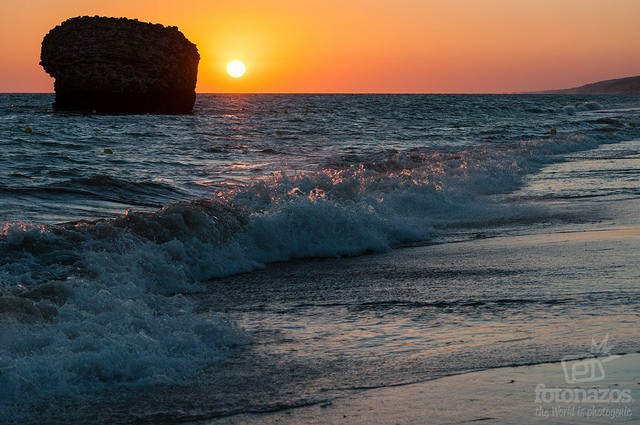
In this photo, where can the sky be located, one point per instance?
(360, 46)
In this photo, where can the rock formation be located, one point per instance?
(118, 65)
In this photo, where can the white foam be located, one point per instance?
(114, 317)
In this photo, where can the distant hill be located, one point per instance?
(629, 85)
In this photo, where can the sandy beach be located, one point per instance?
(541, 393)
(524, 395)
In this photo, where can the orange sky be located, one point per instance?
(355, 46)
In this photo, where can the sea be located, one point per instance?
(272, 251)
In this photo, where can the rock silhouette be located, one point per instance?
(119, 65)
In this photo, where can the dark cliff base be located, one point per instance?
(160, 102)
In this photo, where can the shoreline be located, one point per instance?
(504, 394)
(541, 393)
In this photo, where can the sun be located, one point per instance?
(236, 69)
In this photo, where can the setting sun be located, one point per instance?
(236, 69)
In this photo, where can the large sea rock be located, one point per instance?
(118, 65)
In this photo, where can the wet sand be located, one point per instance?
(505, 395)
(523, 395)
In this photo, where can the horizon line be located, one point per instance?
(541, 92)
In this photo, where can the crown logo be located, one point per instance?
(602, 348)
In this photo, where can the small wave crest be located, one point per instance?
(582, 107)
(104, 187)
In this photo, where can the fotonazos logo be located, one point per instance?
(578, 369)
(581, 398)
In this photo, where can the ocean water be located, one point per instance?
(273, 251)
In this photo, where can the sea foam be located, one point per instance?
(87, 308)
